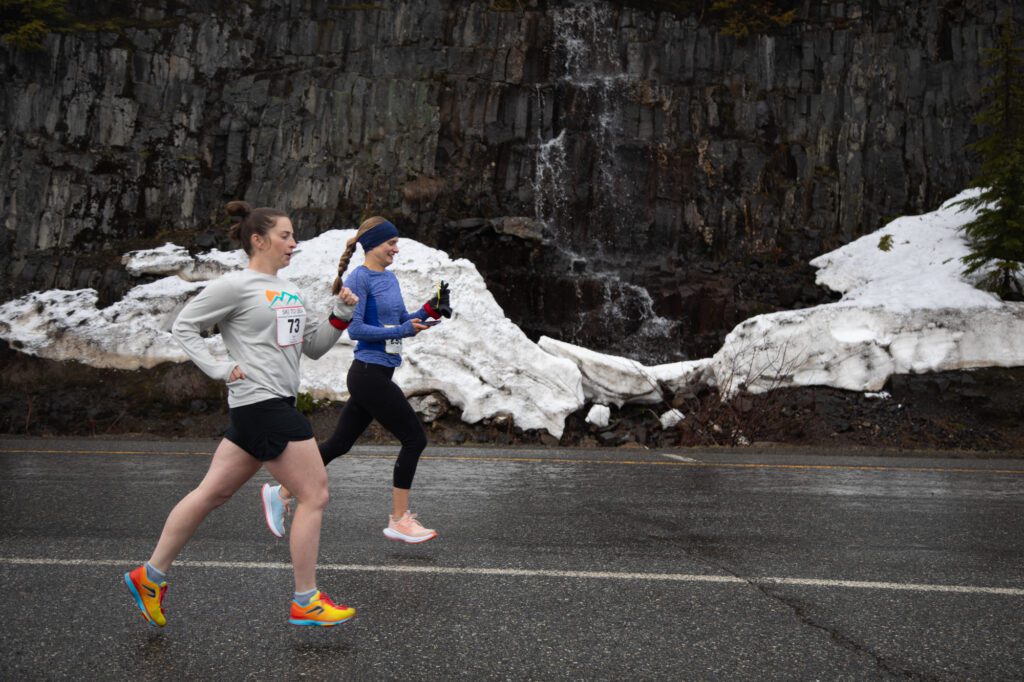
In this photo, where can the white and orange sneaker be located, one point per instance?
(408, 529)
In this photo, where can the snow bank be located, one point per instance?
(860, 348)
(132, 333)
(906, 308)
(478, 359)
(173, 259)
(609, 379)
(913, 263)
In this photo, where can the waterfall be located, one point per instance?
(550, 182)
(590, 209)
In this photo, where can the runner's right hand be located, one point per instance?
(418, 326)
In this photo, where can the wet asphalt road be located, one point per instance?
(552, 564)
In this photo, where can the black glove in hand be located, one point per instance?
(440, 303)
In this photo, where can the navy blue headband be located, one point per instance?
(377, 235)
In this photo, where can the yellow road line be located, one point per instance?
(566, 460)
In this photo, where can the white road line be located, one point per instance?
(678, 458)
(541, 573)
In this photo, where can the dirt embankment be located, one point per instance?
(972, 411)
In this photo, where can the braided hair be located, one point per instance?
(350, 248)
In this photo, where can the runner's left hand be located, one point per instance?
(440, 304)
(345, 304)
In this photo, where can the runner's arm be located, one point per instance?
(320, 336)
(213, 304)
(359, 329)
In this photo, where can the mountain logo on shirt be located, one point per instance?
(281, 298)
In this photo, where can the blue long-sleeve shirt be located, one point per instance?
(379, 316)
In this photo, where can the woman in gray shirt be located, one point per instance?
(266, 328)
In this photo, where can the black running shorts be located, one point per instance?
(264, 429)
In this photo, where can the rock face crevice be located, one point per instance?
(624, 178)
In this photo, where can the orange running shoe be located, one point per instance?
(320, 611)
(148, 595)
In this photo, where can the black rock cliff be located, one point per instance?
(625, 177)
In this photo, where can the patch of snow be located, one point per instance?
(171, 259)
(616, 380)
(599, 416)
(130, 334)
(921, 271)
(671, 418)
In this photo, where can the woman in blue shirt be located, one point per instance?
(379, 323)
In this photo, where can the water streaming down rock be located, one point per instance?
(704, 168)
(569, 198)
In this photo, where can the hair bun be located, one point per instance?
(239, 209)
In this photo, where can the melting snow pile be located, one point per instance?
(906, 307)
(478, 359)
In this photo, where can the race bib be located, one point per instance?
(291, 323)
(393, 346)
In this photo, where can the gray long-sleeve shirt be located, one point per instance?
(265, 328)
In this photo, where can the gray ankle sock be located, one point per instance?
(303, 598)
(155, 575)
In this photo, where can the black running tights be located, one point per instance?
(373, 395)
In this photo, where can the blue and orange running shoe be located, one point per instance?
(148, 595)
(320, 611)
